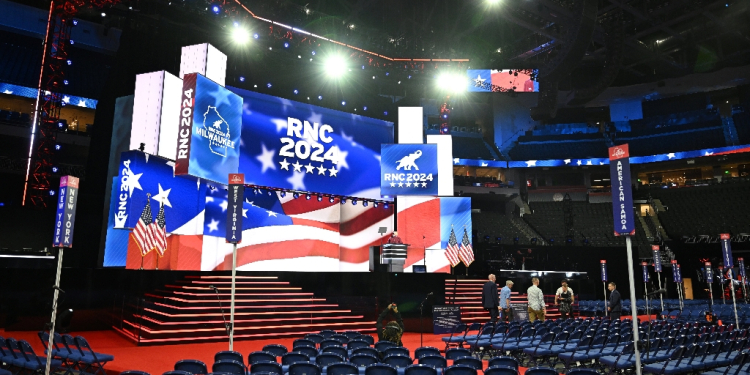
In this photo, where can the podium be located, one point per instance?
(394, 255)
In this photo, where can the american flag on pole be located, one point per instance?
(452, 251)
(465, 251)
(159, 228)
(142, 233)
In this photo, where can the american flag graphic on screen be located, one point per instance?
(142, 233)
(465, 251)
(452, 251)
(160, 232)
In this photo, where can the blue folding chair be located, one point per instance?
(456, 353)
(327, 333)
(503, 361)
(398, 350)
(340, 338)
(398, 361)
(266, 367)
(289, 359)
(228, 355)
(370, 351)
(380, 369)
(456, 337)
(33, 362)
(420, 370)
(176, 372)
(356, 344)
(472, 362)
(363, 360)
(435, 361)
(276, 349)
(541, 371)
(342, 369)
(426, 350)
(381, 346)
(336, 349)
(304, 368)
(326, 359)
(302, 342)
(192, 366)
(460, 370)
(91, 359)
(228, 367)
(260, 356)
(134, 372)
(500, 370)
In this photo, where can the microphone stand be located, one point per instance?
(421, 319)
(424, 249)
(226, 325)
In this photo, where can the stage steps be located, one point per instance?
(265, 307)
(467, 293)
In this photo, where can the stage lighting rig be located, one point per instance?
(240, 35)
(335, 66)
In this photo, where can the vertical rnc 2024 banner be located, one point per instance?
(622, 194)
(603, 264)
(208, 140)
(657, 258)
(408, 169)
(726, 250)
(235, 202)
(67, 199)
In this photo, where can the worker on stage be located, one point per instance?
(395, 238)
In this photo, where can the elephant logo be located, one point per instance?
(407, 162)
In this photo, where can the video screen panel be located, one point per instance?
(489, 80)
(292, 145)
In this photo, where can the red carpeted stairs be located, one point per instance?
(467, 293)
(265, 307)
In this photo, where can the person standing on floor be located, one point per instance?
(505, 300)
(564, 299)
(536, 301)
(490, 298)
(615, 302)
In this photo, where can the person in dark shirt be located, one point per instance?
(395, 238)
(615, 303)
(490, 298)
(393, 330)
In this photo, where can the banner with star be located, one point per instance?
(408, 169)
(297, 146)
(142, 174)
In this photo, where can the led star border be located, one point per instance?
(28, 92)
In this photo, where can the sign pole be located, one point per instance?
(633, 307)
(734, 300)
(721, 284)
(603, 265)
(63, 237)
(235, 202)
(231, 308)
(710, 282)
(54, 311)
(657, 268)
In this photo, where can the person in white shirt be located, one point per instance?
(536, 301)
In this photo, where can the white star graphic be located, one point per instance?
(10, 92)
(244, 212)
(213, 226)
(408, 184)
(132, 181)
(709, 153)
(297, 181)
(322, 170)
(297, 166)
(284, 164)
(163, 196)
(601, 163)
(588, 162)
(266, 158)
(271, 213)
(400, 184)
(309, 168)
(339, 157)
(393, 184)
(209, 199)
(349, 139)
(424, 184)
(670, 155)
(578, 162)
(280, 124)
(479, 80)
(333, 172)
(567, 161)
(224, 205)
(82, 103)
(531, 163)
(66, 99)
(455, 160)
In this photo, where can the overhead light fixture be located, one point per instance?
(295, 195)
(308, 196)
(335, 66)
(331, 199)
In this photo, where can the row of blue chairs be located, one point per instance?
(69, 354)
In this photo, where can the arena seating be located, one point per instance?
(496, 224)
(559, 147)
(742, 124)
(591, 221)
(472, 148)
(69, 354)
(695, 136)
(705, 210)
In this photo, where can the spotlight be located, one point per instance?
(385, 206)
(255, 191)
(313, 53)
(308, 196)
(75, 22)
(216, 9)
(399, 82)
(515, 240)
(283, 194)
(364, 108)
(320, 198)
(343, 102)
(320, 97)
(375, 204)
(70, 62)
(452, 82)
(363, 67)
(72, 42)
(498, 240)
(57, 147)
(551, 241)
(104, 14)
(409, 77)
(342, 200)
(533, 241)
(269, 85)
(54, 169)
(335, 66)
(385, 113)
(295, 91)
(354, 202)
(299, 56)
(270, 192)
(387, 74)
(373, 77)
(286, 44)
(236, 24)
(242, 79)
(331, 199)
(256, 36)
(240, 35)
(487, 239)
(65, 82)
(51, 192)
(445, 115)
(364, 203)
(295, 195)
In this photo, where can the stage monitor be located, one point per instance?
(297, 146)
(492, 80)
(419, 268)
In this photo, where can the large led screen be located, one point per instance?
(297, 146)
(489, 80)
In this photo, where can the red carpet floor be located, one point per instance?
(157, 359)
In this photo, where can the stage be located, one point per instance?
(160, 358)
